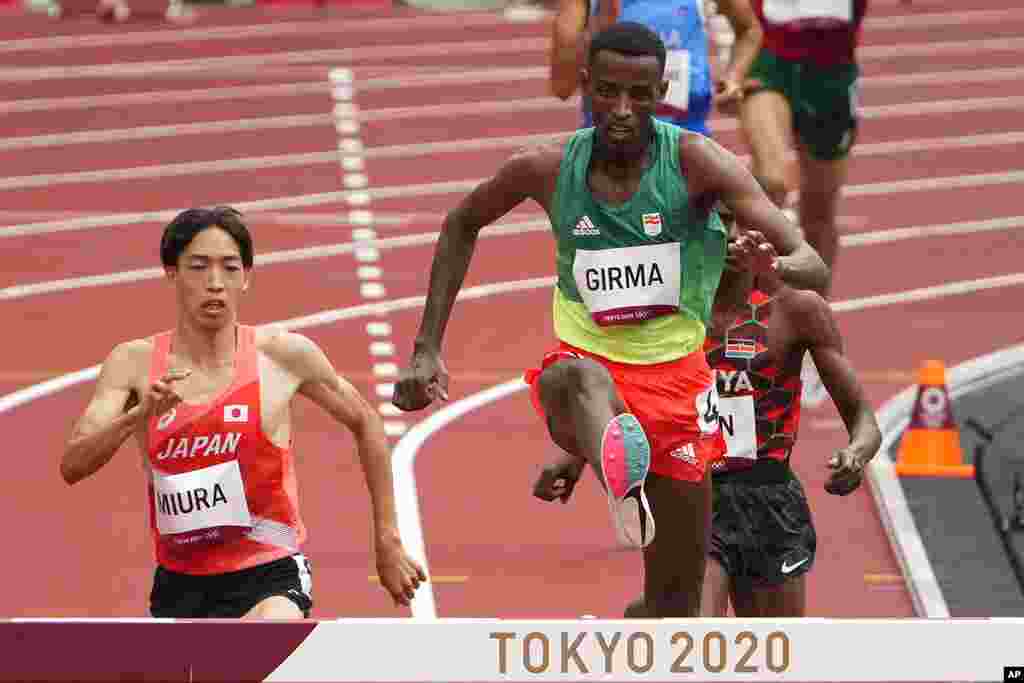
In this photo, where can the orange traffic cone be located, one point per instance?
(931, 444)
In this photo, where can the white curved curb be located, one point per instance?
(893, 418)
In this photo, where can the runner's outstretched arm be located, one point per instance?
(771, 242)
(426, 379)
(319, 382)
(824, 341)
(114, 413)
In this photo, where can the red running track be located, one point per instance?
(266, 132)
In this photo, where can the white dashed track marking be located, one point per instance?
(368, 269)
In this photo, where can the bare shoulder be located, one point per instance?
(133, 350)
(541, 160)
(529, 173)
(289, 349)
(699, 150)
(703, 162)
(128, 362)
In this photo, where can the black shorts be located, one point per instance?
(761, 526)
(231, 595)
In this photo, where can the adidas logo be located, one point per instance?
(585, 228)
(686, 453)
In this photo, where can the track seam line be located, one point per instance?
(406, 494)
(432, 79)
(916, 570)
(469, 107)
(395, 24)
(366, 243)
(278, 204)
(235, 65)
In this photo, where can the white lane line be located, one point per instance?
(456, 186)
(162, 97)
(346, 115)
(419, 23)
(929, 293)
(388, 409)
(394, 428)
(167, 170)
(444, 76)
(381, 349)
(518, 141)
(403, 457)
(91, 137)
(372, 290)
(217, 66)
(352, 163)
(410, 523)
(353, 154)
(428, 79)
(403, 460)
(366, 254)
(385, 369)
(917, 108)
(893, 510)
(277, 29)
(363, 244)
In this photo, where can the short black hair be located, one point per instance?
(180, 232)
(629, 38)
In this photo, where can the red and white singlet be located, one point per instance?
(222, 496)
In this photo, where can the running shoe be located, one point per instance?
(625, 461)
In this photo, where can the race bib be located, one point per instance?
(788, 11)
(628, 284)
(739, 426)
(708, 409)
(201, 499)
(677, 73)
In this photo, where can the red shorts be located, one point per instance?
(676, 403)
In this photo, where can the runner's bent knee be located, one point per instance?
(570, 389)
(565, 383)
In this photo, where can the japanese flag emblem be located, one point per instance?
(236, 413)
